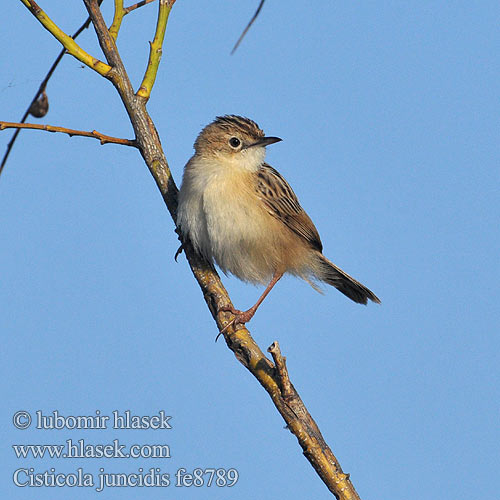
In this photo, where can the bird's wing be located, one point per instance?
(282, 203)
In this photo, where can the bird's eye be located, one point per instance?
(234, 142)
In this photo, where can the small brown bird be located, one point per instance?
(241, 213)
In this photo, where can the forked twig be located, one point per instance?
(120, 13)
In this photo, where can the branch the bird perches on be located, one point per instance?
(272, 376)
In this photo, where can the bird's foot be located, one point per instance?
(240, 317)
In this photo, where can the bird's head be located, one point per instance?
(234, 140)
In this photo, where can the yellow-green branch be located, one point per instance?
(155, 49)
(120, 13)
(117, 19)
(68, 43)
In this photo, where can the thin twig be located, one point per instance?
(257, 12)
(40, 91)
(104, 139)
(136, 6)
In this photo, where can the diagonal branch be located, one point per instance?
(155, 50)
(137, 5)
(104, 139)
(147, 137)
(274, 378)
(67, 42)
(41, 90)
(106, 41)
(245, 31)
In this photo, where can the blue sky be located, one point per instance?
(389, 118)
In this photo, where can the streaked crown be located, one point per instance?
(227, 134)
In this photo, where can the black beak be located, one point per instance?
(265, 141)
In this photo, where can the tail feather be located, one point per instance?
(329, 273)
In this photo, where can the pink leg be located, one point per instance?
(243, 317)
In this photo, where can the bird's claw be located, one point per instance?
(224, 329)
(179, 251)
(240, 318)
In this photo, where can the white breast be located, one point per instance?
(219, 211)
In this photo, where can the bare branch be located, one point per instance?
(137, 5)
(106, 41)
(104, 139)
(41, 90)
(155, 50)
(254, 17)
(67, 42)
(273, 378)
(147, 137)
